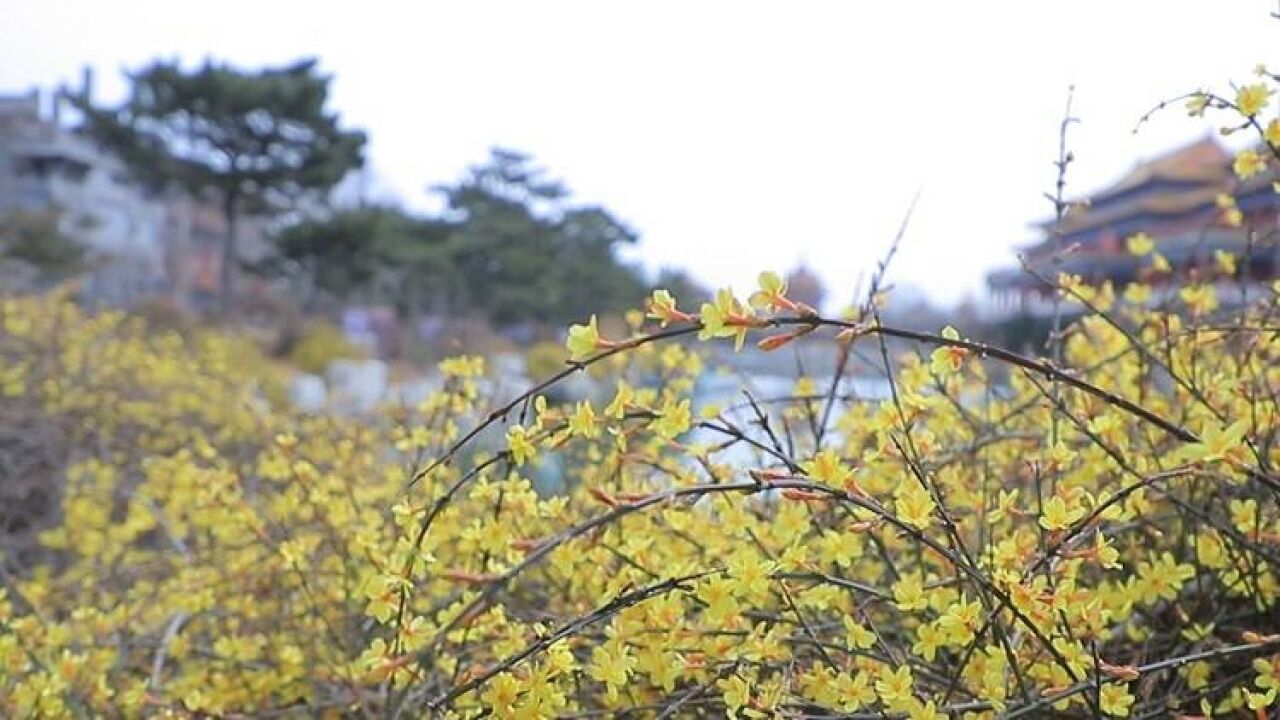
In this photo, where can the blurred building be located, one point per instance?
(193, 234)
(803, 285)
(1174, 199)
(141, 244)
(44, 167)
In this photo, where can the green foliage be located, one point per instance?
(346, 253)
(510, 248)
(521, 251)
(258, 141)
(320, 344)
(36, 240)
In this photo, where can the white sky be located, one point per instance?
(735, 136)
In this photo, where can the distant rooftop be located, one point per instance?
(1174, 199)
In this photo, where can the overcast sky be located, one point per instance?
(735, 136)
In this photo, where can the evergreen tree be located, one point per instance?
(257, 141)
(522, 252)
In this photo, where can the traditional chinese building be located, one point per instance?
(1179, 200)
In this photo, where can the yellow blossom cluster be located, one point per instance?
(996, 535)
(993, 534)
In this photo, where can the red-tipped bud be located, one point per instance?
(603, 497)
(467, 577)
(802, 495)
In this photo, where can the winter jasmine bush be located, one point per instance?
(1004, 536)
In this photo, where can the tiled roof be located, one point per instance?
(1204, 160)
(1173, 197)
(1161, 203)
(1203, 166)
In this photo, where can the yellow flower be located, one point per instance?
(908, 592)
(560, 659)
(522, 450)
(1006, 506)
(617, 407)
(841, 548)
(1211, 551)
(948, 359)
(1231, 215)
(1160, 264)
(1219, 443)
(726, 317)
(1076, 657)
(1163, 577)
(612, 664)
(1200, 299)
(584, 340)
(913, 504)
(1225, 262)
(929, 637)
(1272, 132)
(1140, 244)
(1259, 701)
(1248, 163)
(501, 694)
(1197, 632)
(583, 421)
(1197, 103)
(960, 620)
(674, 419)
(1268, 673)
(750, 574)
(662, 307)
(1244, 515)
(828, 468)
(1107, 556)
(1197, 674)
(895, 688)
(773, 290)
(718, 594)
(1252, 99)
(1115, 700)
(1056, 515)
(857, 636)
(1137, 294)
(737, 694)
(924, 711)
(662, 666)
(852, 691)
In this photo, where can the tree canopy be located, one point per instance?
(523, 251)
(510, 247)
(255, 141)
(345, 253)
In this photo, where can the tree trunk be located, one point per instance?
(227, 294)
